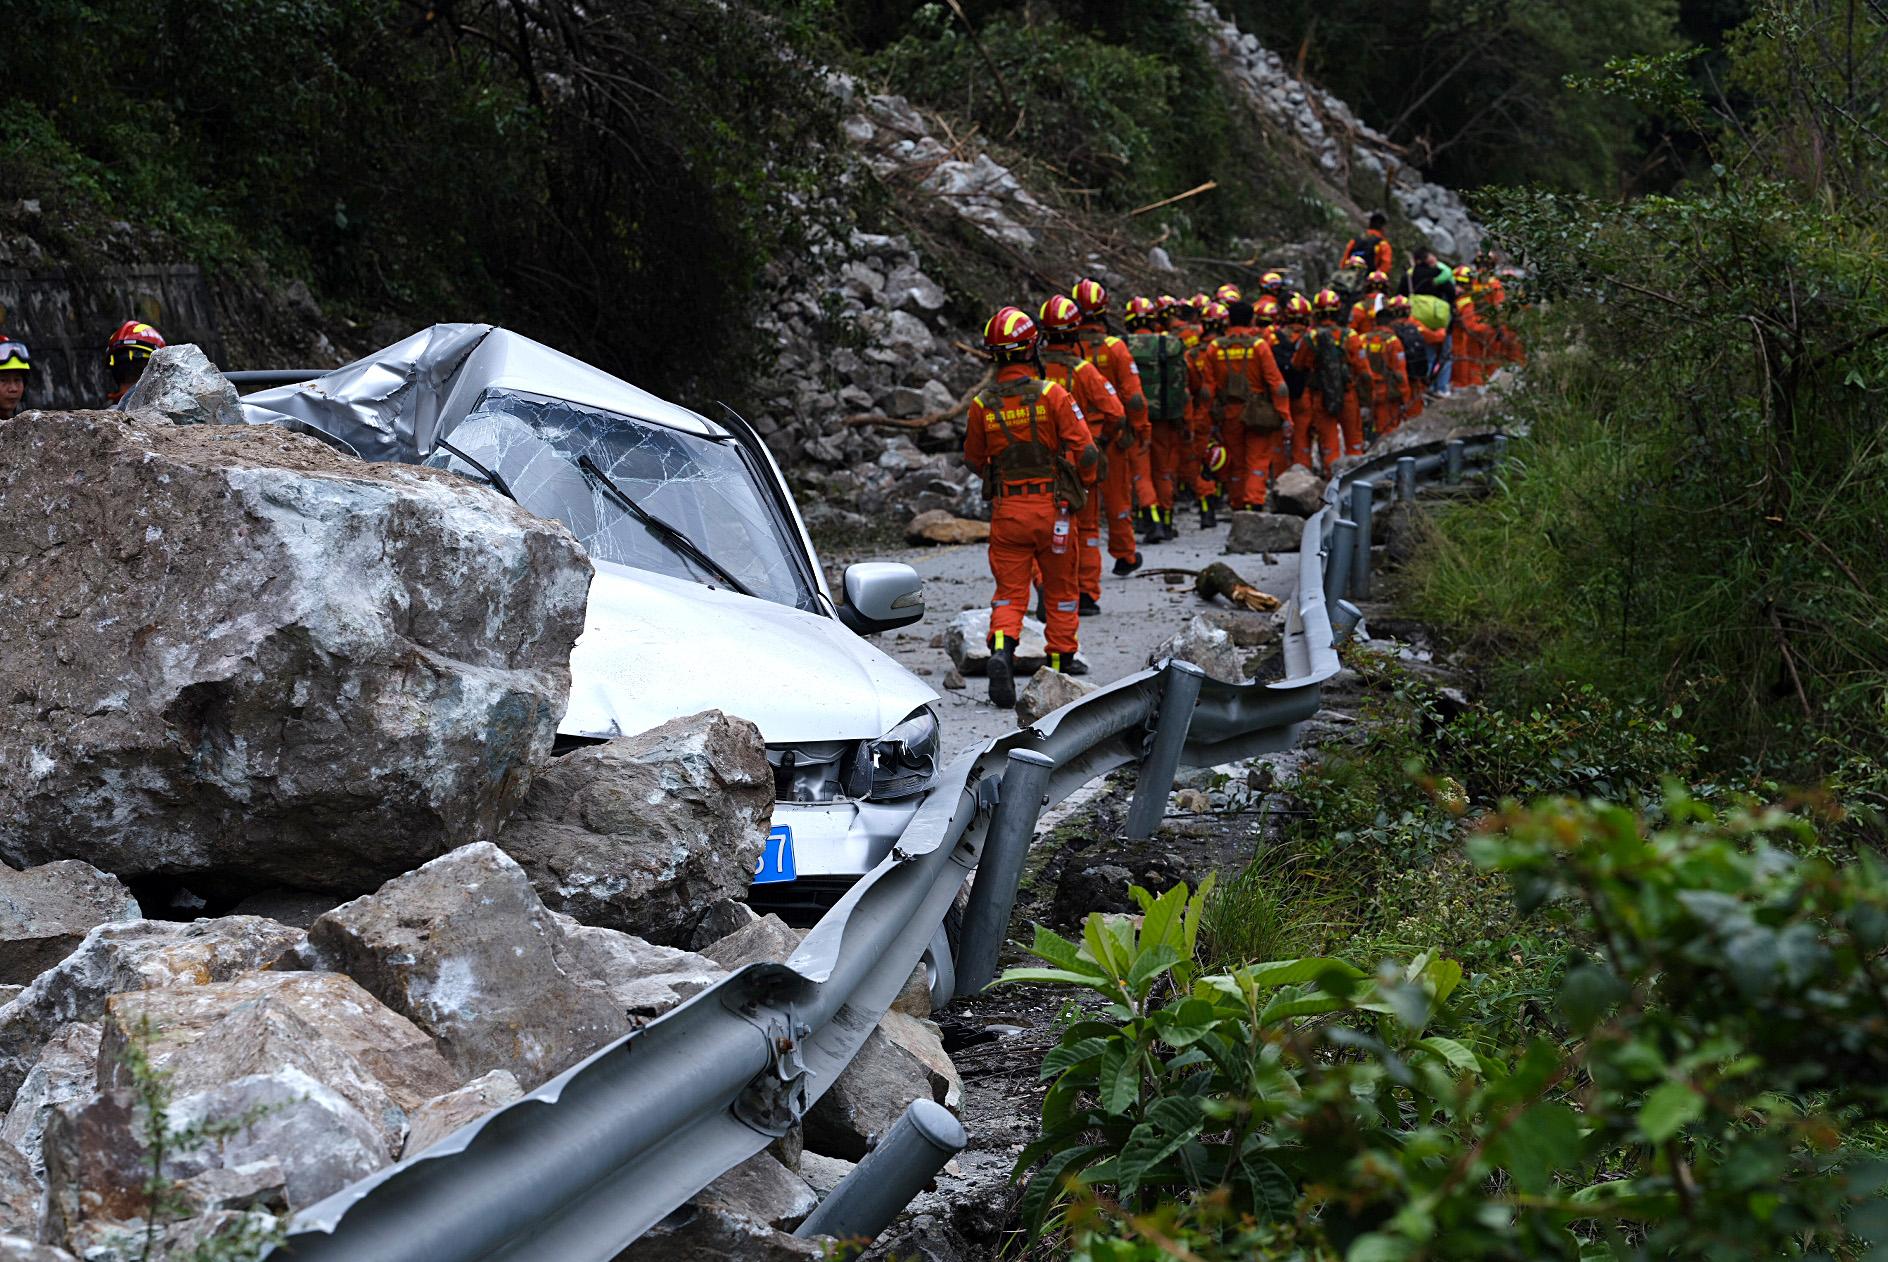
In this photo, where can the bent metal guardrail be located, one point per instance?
(585, 1164)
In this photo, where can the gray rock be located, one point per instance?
(183, 385)
(940, 526)
(915, 999)
(130, 956)
(967, 640)
(26, 1249)
(823, 1173)
(730, 915)
(1299, 492)
(1047, 691)
(645, 979)
(1264, 532)
(763, 1189)
(1159, 259)
(48, 910)
(463, 948)
(768, 939)
(67, 1070)
(866, 1099)
(924, 1042)
(353, 665)
(1206, 646)
(299, 908)
(442, 1115)
(644, 832)
(711, 1233)
(20, 1194)
(1248, 630)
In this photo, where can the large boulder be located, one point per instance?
(1048, 691)
(1298, 492)
(229, 652)
(308, 1079)
(20, 1193)
(182, 385)
(1207, 646)
(645, 979)
(67, 1070)
(48, 910)
(645, 832)
(463, 948)
(1264, 532)
(132, 955)
(767, 940)
(867, 1098)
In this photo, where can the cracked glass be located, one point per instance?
(578, 464)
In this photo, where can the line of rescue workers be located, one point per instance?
(1207, 399)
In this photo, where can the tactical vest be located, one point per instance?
(1377, 344)
(1013, 407)
(1236, 351)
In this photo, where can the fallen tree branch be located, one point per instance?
(1207, 187)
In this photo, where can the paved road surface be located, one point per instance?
(1138, 613)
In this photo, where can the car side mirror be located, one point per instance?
(881, 596)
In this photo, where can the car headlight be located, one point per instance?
(904, 760)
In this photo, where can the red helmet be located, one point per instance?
(1215, 315)
(1140, 311)
(1377, 282)
(1326, 301)
(1397, 304)
(1060, 314)
(1228, 293)
(1010, 332)
(1091, 296)
(1198, 302)
(1297, 307)
(1265, 310)
(130, 346)
(1272, 283)
(1215, 458)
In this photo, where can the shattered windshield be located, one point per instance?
(703, 508)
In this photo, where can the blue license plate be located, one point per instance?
(776, 858)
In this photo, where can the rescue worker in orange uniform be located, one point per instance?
(1101, 407)
(1208, 454)
(1470, 334)
(1388, 381)
(1333, 356)
(1129, 476)
(1294, 325)
(1161, 359)
(1254, 409)
(1025, 436)
(16, 365)
(1372, 250)
(1272, 285)
(1265, 316)
(1363, 312)
(1417, 360)
(126, 353)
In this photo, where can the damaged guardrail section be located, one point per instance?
(584, 1165)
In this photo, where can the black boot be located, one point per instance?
(1068, 664)
(1087, 607)
(1124, 566)
(1002, 672)
(1207, 520)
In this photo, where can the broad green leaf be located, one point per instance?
(1059, 951)
(1290, 972)
(1448, 1050)
(1045, 1186)
(1120, 1078)
(1379, 1246)
(1544, 1139)
(1161, 925)
(1149, 964)
(1668, 1109)
(1069, 1055)
(1109, 941)
(1442, 977)
(1196, 906)
(1088, 980)
(1149, 1144)
(1588, 993)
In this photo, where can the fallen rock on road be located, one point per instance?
(1048, 691)
(1264, 532)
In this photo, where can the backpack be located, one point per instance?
(1363, 250)
(1415, 351)
(1030, 458)
(1236, 351)
(1284, 351)
(1429, 311)
(1330, 367)
(1161, 359)
(1377, 345)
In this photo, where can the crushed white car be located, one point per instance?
(708, 591)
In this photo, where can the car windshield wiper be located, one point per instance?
(662, 530)
(498, 484)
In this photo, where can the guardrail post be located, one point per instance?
(1406, 478)
(1337, 560)
(1005, 847)
(1362, 505)
(897, 1168)
(1344, 619)
(1179, 694)
(1501, 450)
(1453, 453)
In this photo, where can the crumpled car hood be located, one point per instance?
(657, 648)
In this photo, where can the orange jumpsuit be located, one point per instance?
(1102, 412)
(1170, 438)
(1339, 432)
(1289, 337)
(1413, 402)
(1470, 335)
(1254, 411)
(1363, 316)
(1202, 427)
(1506, 347)
(1389, 378)
(1014, 430)
(1382, 256)
(1127, 449)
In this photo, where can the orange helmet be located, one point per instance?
(1059, 314)
(1265, 310)
(1228, 293)
(1377, 282)
(129, 348)
(1272, 283)
(1198, 303)
(1397, 304)
(1464, 274)
(1091, 296)
(1297, 307)
(1215, 315)
(1140, 310)
(1010, 333)
(1326, 301)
